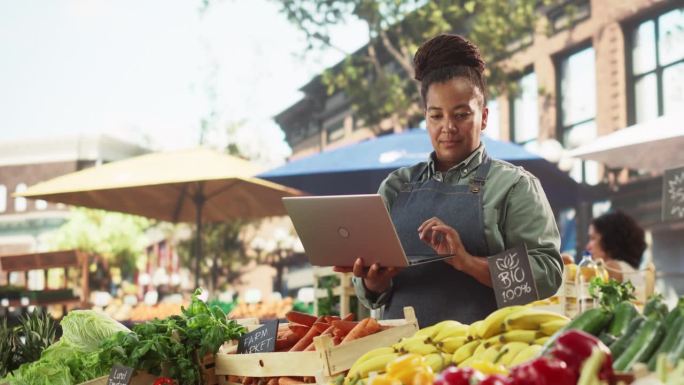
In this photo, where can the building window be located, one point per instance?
(3, 198)
(41, 204)
(335, 131)
(20, 202)
(493, 129)
(657, 66)
(524, 114)
(577, 108)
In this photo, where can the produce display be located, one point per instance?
(25, 342)
(299, 333)
(263, 310)
(507, 337)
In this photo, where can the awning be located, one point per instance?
(655, 145)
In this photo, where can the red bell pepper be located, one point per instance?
(164, 381)
(575, 346)
(458, 376)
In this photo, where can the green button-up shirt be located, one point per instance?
(515, 210)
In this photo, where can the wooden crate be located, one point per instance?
(323, 363)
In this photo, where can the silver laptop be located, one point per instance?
(337, 229)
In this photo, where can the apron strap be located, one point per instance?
(478, 181)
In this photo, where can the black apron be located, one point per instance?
(437, 291)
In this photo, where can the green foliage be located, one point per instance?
(117, 237)
(396, 28)
(176, 342)
(611, 293)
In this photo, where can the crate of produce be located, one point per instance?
(321, 357)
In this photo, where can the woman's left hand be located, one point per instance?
(444, 239)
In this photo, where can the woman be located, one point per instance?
(458, 202)
(619, 241)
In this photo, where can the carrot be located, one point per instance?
(337, 340)
(308, 337)
(289, 381)
(272, 381)
(321, 326)
(285, 342)
(301, 318)
(348, 317)
(366, 327)
(299, 330)
(345, 326)
(326, 332)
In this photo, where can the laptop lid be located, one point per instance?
(337, 229)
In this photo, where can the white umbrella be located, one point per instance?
(655, 145)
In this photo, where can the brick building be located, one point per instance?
(605, 66)
(23, 222)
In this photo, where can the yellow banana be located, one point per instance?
(466, 363)
(427, 332)
(519, 335)
(372, 353)
(374, 364)
(541, 340)
(480, 349)
(494, 323)
(489, 355)
(436, 362)
(486, 367)
(408, 340)
(511, 349)
(450, 328)
(526, 354)
(531, 319)
(474, 329)
(551, 327)
(450, 344)
(493, 341)
(465, 351)
(419, 347)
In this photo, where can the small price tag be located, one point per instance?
(261, 340)
(120, 375)
(673, 195)
(512, 277)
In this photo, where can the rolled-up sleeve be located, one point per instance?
(368, 298)
(529, 219)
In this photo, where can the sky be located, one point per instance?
(149, 71)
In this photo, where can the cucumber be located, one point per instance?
(642, 346)
(674, 334)
(655, 307)
(677, 352)
(592, 321)
(619, 346)
(672, 316)
(623, 313)
(607, 338)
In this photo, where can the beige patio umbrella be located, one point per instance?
(197, 185)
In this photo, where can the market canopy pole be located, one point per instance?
(197, 185)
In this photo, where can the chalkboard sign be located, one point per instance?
(261, 340)
(512, 277)
(120, 375)
(673, 194)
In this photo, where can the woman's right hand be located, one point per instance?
(376, 278)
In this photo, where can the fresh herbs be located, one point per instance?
(611, 293)
(25, 342)
(174, 345)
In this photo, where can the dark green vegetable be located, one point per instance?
(655, 307)
(617, 348)
(610, 294)
(673, 335)
(592, 321)
(623, 313)
(37, 331)
(642, 346)
(607, 338)
(7, 342)
(177, 342)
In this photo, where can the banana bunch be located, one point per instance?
(507, 337)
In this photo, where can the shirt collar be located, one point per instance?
(470, 163)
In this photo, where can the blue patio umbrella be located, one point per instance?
(359, 168)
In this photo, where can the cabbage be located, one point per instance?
(86, 329)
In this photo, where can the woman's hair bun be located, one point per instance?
(446, 50)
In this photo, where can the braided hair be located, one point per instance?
(445, 57)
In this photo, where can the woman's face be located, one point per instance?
(594, 245)
(455, 118)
